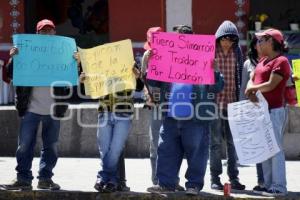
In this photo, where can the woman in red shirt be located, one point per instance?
(270, 77)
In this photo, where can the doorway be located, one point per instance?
(86, 21)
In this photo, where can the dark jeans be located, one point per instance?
(154, 129)
(178, 138)
(121, 170)
(26, 143)
(219, 130)
(260, 174)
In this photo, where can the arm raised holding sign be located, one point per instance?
(13, 51)
(36, 104)
(109, 73)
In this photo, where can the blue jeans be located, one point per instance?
(219, 129)
(112, 134)
(154, 135)
(179, 138)
(274, 167)
(26, 143)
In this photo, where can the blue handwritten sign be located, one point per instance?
(44, 60)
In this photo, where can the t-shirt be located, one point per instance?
(279, 65)
(180, 101)
(41, 101)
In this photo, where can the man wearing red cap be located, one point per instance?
(45, 26)
(34, 106)
(270, 77)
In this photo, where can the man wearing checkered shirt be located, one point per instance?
(229, 61)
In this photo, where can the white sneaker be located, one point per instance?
(192, 191)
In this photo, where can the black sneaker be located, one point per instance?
(47, 184)
(158, 189)
(99, 186)
(236, 185)
(179, 188)
(122, 187)
(17, 185)
(273, 193)
(217, 185)
(259, 189)
(109, 188)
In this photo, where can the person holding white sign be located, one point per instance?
(270, 77)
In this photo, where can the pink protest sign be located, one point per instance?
(182, 58)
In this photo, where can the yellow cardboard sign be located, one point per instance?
(296, 71)
(108, 68)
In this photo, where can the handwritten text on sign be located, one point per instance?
(108, 68)
(182, 58)
(44, 60)
(296, 71)
(252, 131)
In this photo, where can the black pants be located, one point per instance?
(121, 169)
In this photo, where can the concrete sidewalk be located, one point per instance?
(79, 174)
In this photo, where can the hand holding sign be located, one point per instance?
(13, 51)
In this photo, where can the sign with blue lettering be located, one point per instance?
(44, 60)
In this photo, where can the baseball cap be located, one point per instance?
(274, 33)
(149, 36)
(185, 29)
(45, 22)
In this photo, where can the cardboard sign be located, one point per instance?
(108, 68)
(44, 60)
(182, 58)
(296, 71)
(252, 131)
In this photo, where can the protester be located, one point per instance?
(230, 62)
(270, 77)
(151, 93)
(254, 55)
(181, 135)
(114, 122)
(34, 106)
(152, 98)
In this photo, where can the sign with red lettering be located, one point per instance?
(182, 58)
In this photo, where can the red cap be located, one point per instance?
(274, 33)
(45, 22)
(149, 36)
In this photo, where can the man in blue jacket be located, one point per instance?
(185, 131)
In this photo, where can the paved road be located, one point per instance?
(78, 174)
